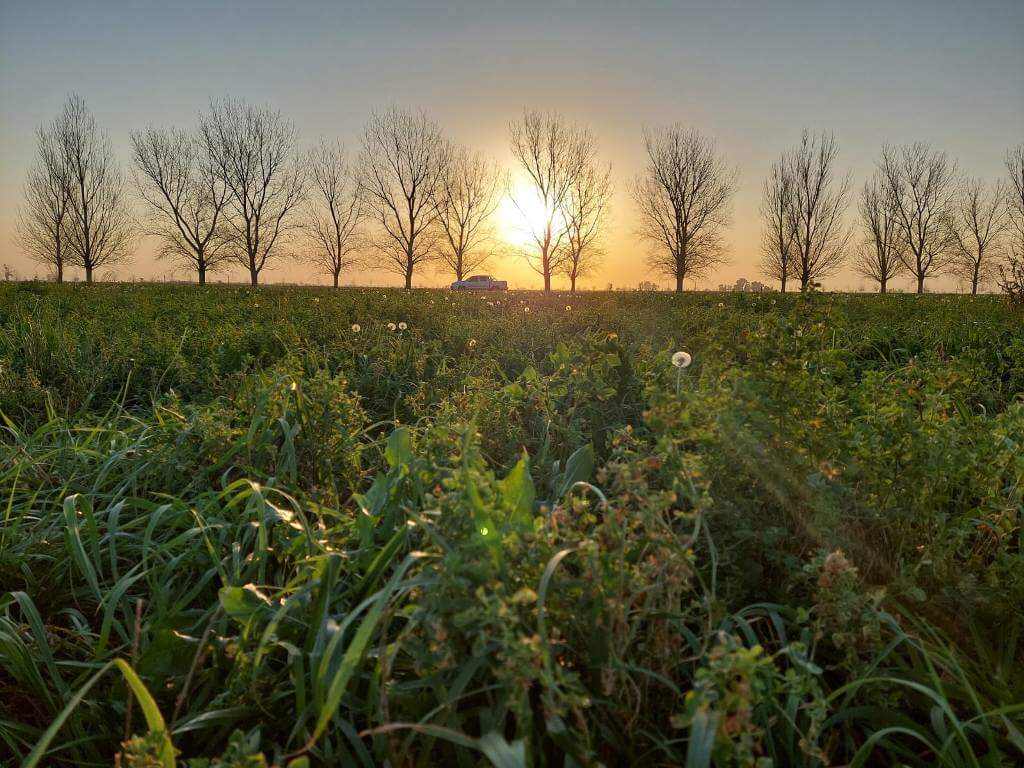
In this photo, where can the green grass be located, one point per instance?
(512, 534)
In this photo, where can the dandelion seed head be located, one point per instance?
(356, 328)
(681, 359)
(391, 326)
(402, 326)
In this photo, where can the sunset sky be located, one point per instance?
(750, 74)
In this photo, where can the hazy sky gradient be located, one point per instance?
(750, 74)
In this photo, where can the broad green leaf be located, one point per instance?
(578, 467)
(399, 450)
(242, 603)
(518, 492)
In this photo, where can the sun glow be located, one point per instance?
(521, 215)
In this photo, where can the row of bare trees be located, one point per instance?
(237, 190)
(917, 217)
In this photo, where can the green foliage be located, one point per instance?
(507, 537)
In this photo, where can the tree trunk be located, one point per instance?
(254, 276)
(88, 273)
(572, 284)
(976, 278)
(881, 285)
(202, 272)
(783, 279)
(920, 283)
(679, 282)
(60, 270)
(547, 281)
(336, 273)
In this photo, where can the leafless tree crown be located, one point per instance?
(879, 255)
(42, 217)
(920, 185)
(777, 248)
(98, 226)
(335, 211)
(1015, 199)
(978, 224)
(585, 212)
(818, 200)
(253, 153)
(185, 194)
(683, 197)
(552, 154)
(403, 160)
(467, 196)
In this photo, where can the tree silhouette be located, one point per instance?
(878, 257)
(403, 161)
(41, 219)
(815, 207)
(920, 184)
(978, 223)
(683, 197)
(552, 154)
(186, 196)
(467, 195)
(98, 226)
(335, 210)
(253, 153)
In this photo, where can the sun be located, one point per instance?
(521, 215)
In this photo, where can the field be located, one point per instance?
(260, 525)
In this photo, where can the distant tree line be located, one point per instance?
(237, 190)
(917, 217)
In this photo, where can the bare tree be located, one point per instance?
(815, 210)
(467, 195)
(403, 161)
(335, 210)
(98, 227)
(585, 212)
(777, 252)
(683, 196)
(978, 224)
(186, 194)
(920, 184)
(1015, 199)
(878, 258)
(553, 154)
(253, 153)
(42, 218)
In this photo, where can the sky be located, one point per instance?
(752, 75)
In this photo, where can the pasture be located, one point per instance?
(364, 526)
